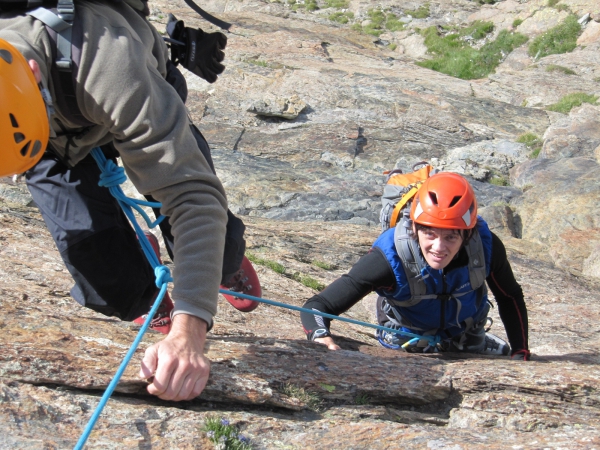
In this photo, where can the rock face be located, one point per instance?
(303, 122)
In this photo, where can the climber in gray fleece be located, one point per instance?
(122, 91)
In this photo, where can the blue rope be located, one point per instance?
(111, 176)
(416, 337)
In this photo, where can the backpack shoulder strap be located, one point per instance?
(412, 261)
(477, 269)
(67, 38)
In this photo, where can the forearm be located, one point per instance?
(370, 272)
(509, 297)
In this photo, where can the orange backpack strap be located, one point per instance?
(413, 180)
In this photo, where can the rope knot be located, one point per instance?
(112, 175)
(163, 275)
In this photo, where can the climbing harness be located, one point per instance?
(111, 177)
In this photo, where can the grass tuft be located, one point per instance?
(455, 57)
(322, 265)
(339, 4)
(557, 40)
(273, 265)
(562, 69)
(570, 101)
(224, 435)
(532, 142)
(517, 22)
(310, 399)
(421, 13)
(341, 17)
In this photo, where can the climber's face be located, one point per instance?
(439, 246)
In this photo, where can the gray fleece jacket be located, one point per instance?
(121, 88)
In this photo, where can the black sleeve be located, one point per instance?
(371, 272)
(509, 297)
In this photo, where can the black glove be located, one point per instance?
(197, 51)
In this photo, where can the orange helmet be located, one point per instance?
(445, 200)
(24, 127)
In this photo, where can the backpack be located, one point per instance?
(399, 190)
(398, 194)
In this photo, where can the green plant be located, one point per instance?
(310, 399)
(392, 47)
(555, 68)
(517, 22)
(562, 7)
(378, 21)
(570, 101)
(552, 3)
(486, 2)
(392, 23)
(421, 13)
(309, 5)
(455, 57)
(308, 281)
(341, 17)
(559, 39)
(340, 4)
(273, 265)
(322, 265)
(225, 435)
(532, 142)
(499, 180)
(362, 399)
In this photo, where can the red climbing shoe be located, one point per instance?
(161, 321)
(245, 281)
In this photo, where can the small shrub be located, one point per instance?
(225, 435)
(517, 22)
(555, 68)
(570, 101)
(421, 13)
(310, 399)
(559, 39)
(553, 3)
(393, 47)
(562, 7)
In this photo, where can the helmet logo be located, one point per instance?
(418, 210)
(467, 218)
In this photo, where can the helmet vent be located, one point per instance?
(25, 149)
(37, 146)
(6, 56)
(13, 121)
(19, 137)
(455, 200)
(433, 197)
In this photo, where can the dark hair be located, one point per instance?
(466, 234)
